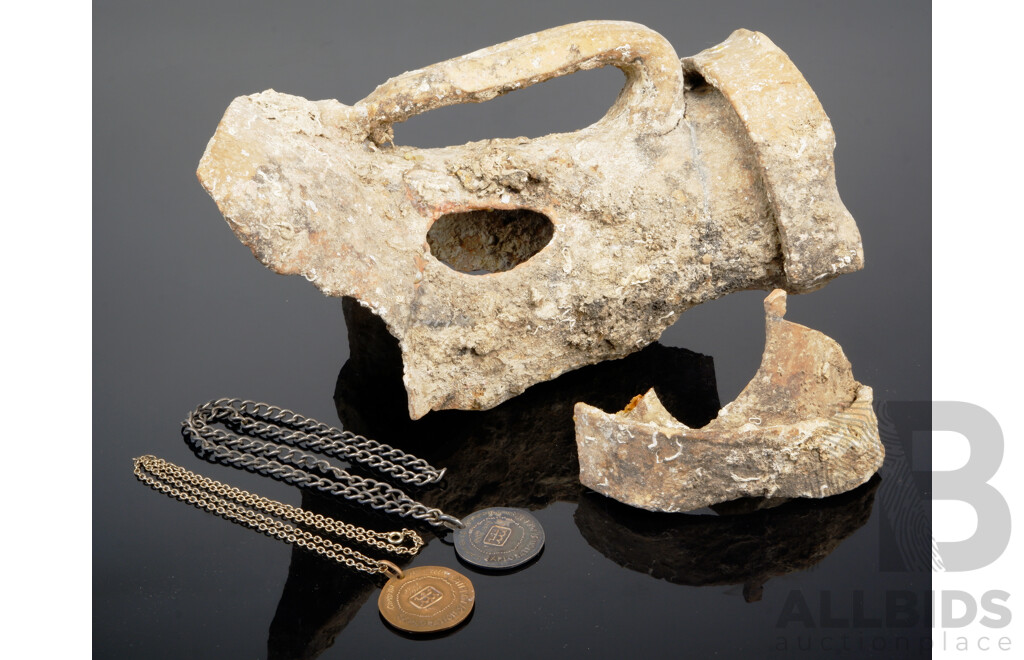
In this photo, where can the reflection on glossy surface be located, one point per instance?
(745, 549)
(523, 454)
(320, 596)
(520, 454)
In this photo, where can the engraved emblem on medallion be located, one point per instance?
(425, 597)
(499, 538)
(497, 535)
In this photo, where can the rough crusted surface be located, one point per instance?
(793, 143)
(803, 427)
(663, 204)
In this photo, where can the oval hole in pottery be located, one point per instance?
(485, 241)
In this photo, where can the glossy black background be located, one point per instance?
(183, 314)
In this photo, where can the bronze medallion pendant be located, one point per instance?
(426, 599)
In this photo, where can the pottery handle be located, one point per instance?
(651, 100)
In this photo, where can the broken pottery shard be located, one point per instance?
(503, 263)
(802, 427)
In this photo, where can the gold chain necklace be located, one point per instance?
(269, 516)
(421, 599)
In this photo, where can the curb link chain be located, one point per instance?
(245, 508)
(264, 426)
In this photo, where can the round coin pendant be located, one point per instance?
(499, 538)
(427, 599)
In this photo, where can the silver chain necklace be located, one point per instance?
(273, 441)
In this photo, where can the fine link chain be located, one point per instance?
(273, 443)
(245, 508)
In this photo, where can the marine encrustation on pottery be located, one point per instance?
(802, 427)
(503, 263)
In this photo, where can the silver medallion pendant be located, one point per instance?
(499, 538)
